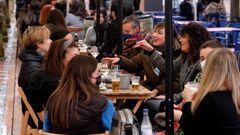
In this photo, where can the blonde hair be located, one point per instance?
(221, 73)
(35, 34)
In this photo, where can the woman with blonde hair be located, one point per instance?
(36, 44)
(215, 108)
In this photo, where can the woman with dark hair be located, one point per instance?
(85, 108)
(90, 37)
(61, 34)
(55, 21)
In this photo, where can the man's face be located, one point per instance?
(129, 29)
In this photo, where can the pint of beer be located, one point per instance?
(115, 84)
(135, 86)
(83, 50)
(135, 82)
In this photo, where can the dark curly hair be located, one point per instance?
(197, 36)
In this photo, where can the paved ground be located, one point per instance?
(10, 114)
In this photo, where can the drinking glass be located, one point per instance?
(192, 86)
(94, 51)
(104, 70)
(135, 82)
(115, 69)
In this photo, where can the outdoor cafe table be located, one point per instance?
(141, 94)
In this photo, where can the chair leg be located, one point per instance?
(24, 123)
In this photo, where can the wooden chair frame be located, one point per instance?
(25, 130)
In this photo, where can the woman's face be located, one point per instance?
(204, 53)
(44, 46)
(185, 45)
(95, 74)
(70, 53)
(102, 19)
(159, 37)
(69, 37)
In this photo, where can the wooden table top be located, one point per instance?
(141, 93)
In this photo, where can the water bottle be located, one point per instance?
(146, 126)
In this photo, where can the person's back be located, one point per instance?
(186, 10)
(215, 7)
(78, 92)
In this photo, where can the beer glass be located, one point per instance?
(115, 84)
(135, 82)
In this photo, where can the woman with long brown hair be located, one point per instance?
(77, 106)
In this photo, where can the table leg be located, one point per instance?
(119, 105)
(137, 105)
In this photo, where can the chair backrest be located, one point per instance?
(29, 107)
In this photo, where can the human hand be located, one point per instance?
(161, 97)
(143, 44)
(188, 94)
(110, 61)
(154, 93)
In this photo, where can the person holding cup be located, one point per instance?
(205, 49)
(215, 107)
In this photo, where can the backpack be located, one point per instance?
(125, 123)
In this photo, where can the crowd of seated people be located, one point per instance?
(63, 83)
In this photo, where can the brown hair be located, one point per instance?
(44, 13)
(176, 43)
(212, 44)
(56, 18)
(75, 87)
(56, 54)
(33, 35)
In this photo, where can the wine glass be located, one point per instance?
(104, 70)
(94, 51)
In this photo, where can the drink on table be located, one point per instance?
(135, 86)
(135, 82)
(115, 84)
(83, 50)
